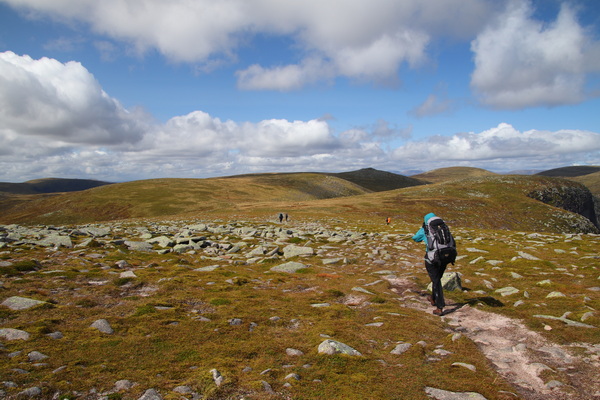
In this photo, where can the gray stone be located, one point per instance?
(13, 334)
(183, 389)
(162, 241)
(552, 295)
(36, 356)
(507, 291)
(18, 303)
(293, 251)
(217, 377)
(331, 347)
(138, 246)
(123, 384)
(289, 267)
(151, 394)
(566, 321)
(210, 268)
(292, 376)
(56, 240)
(450, 281)
(464, 365)
(293, 352)
(30, 392)
(127, 274)
(401, 348)
(528, 256)
(103, 326)
(440, 394)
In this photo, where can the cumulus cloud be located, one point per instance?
(55, 120)
(503, 145)
(521, 62)
(46, 98)
(361, 40)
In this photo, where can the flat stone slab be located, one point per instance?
(440, 394)
(289, 267)
(13, 334)
(18, 303)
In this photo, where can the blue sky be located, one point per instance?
(121, 90)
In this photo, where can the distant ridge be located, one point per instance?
(50, 185)
(378, 181)
(452, 173)
(570, 172)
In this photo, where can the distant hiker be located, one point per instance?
(388, 220)
(440, 251)
(280, 217)
(286, 217)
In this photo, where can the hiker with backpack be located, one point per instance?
(440, 251)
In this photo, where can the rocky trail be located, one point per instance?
(517, 353)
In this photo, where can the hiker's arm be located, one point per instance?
(419, 236)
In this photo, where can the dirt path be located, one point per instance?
(523, 357)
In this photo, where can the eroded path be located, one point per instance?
(537, 368)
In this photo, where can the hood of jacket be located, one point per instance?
(428, 217)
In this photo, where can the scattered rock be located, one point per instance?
(18, 303)
(35, 356)
(151, 394)
(440, 394)
(217, 377)
(13, 334)
(289, 267)
(103, 326)
(507, 291)
(464, 365)
(400, 348)
(331, 347)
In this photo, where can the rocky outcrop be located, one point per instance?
(572, 197)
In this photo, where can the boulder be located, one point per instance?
(13, 334)
(18, 303)
(103, 326)
(289, 267)
(293, 251)
(450, 281)
(331, 347)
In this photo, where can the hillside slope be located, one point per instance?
(491, 202)
(167, 197)
(570, 172)
(50, 185)
(452, 173)
(378, 181)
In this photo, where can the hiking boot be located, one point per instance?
(438, 311)
(430, 298)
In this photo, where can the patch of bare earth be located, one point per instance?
(518, 354)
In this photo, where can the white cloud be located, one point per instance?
(55, 120)
(521, 62)
(352, 38)
(503, 145)
(285, 78)
(46, 98)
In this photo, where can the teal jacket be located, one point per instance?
(420, 236)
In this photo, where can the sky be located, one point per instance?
(121, 90)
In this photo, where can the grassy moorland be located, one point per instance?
(178, 315)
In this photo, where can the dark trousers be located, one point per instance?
(435, 272)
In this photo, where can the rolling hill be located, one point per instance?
(510, 202)
(378, 181)
(451, 173)
(571, 172)
(50, 185)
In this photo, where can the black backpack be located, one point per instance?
(441, 248)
